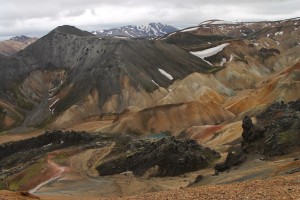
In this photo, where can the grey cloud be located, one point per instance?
(39, 17)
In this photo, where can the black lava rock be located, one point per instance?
(233, 159)
(168, 156)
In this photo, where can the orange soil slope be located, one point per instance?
(173, 118)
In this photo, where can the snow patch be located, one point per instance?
(47, 145)
(267, 44)
(190, 29)
(166, 74)
(217, 22)
(169, 35)
(209, 52)
(126, 173)
(129, 34)
(223, 61)
(154, 82)
(50, 107)
(53, 89)
(121, 37)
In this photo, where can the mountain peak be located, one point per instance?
(72, 30)
(21, 38)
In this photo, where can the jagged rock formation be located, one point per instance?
(280, 134)
(276, 133)
(163, 157)
(234, 158)
(144, 31)
(251, 132)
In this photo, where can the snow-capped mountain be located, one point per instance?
(138, 31)
(22, 38)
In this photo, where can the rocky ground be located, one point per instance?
(159, 157)
(287, 187)
(282, 187)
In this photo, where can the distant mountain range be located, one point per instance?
(15, 44)
(138, 31)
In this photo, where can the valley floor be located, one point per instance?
(280, 187)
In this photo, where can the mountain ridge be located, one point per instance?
(15, 44)
(138, 31)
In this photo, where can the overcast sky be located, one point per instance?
(38, 17)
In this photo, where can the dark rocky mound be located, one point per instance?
(234, 158)
(60, 138)
(14, 156)
(276, 133)
(265, 53)
(163, 157)
(280, 133)
(251, 134)
(72, 30)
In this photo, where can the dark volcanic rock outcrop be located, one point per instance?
(234, 158)
(265, 53)
(277, 132)
(251, 133)
(63, 139)
(280, 133)
(163, 157)
(14, 156)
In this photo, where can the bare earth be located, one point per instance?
(281, 187)
(287, 187)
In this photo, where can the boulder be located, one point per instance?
(233, 158)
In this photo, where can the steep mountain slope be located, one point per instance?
(212, 32)
(250, 75)
(283, 86)
(76, 74)
(135, 31)
(172, 118)
(15, 44)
